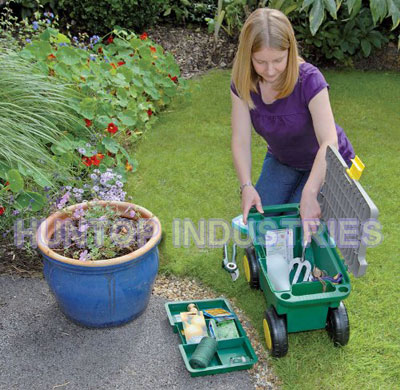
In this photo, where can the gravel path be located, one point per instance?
(41, 349)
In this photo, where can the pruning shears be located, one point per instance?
(230, 266)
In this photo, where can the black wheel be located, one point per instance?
(251, 269)
(337, 325)
(275, 333)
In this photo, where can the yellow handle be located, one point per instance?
(356, 168)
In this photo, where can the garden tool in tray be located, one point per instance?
(230, 266)
(300, 264)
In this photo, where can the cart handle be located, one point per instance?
(279, 208)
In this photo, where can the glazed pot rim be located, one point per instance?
(45, 231)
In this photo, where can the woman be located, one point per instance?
(287, 102)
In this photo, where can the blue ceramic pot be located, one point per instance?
(101, 293)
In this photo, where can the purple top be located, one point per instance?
(286, 124)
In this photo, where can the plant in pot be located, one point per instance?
(100, 260)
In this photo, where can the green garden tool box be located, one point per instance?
(309, 305)
(231, 355)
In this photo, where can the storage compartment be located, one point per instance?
(232, 354)
(189, 350)
(235, 351)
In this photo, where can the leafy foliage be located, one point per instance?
(35, 113)
(72, 105)
(340, 40)
(101, 16)
(183, 11)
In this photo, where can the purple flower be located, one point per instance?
(64, 199)
(48, 21)
(79, 212)
(83, 227)
(35, 25)
(95, 188)
(94, 39)
(63, 44)
(84, 255)
(28, 40)
(119, 184)
(92, 57)
(15, 212)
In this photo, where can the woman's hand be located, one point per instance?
(310, 213)
(250, 198)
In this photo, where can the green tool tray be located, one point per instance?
(227, 349)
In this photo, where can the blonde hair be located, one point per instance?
(265, 28)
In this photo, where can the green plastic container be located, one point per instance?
(306, 306)
(229, 351)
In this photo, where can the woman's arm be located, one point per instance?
(325, 131)
(241, 151)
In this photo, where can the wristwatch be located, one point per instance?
(249, 184)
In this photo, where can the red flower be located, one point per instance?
(112, 128)
(110, 154)
(7, 184)
(110, 39)
(149, 112)
(174, 79)
(120, 63)
(88, 122)
(143, 37)
(94, 160)
(128, 166)
(87, 161)
(51, 57)
(2, 210)
(100, 156)
(153, 49)
(113, 65)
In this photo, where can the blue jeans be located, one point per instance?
(279, 183)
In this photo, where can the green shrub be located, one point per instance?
(26, 8)
(184, 11)
(99, 17)
(35, 114)
(341, 40)
(116, 87)
(230, 15)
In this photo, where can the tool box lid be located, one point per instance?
(348, 212)
(231, 355)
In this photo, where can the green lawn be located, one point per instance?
(186, 171)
